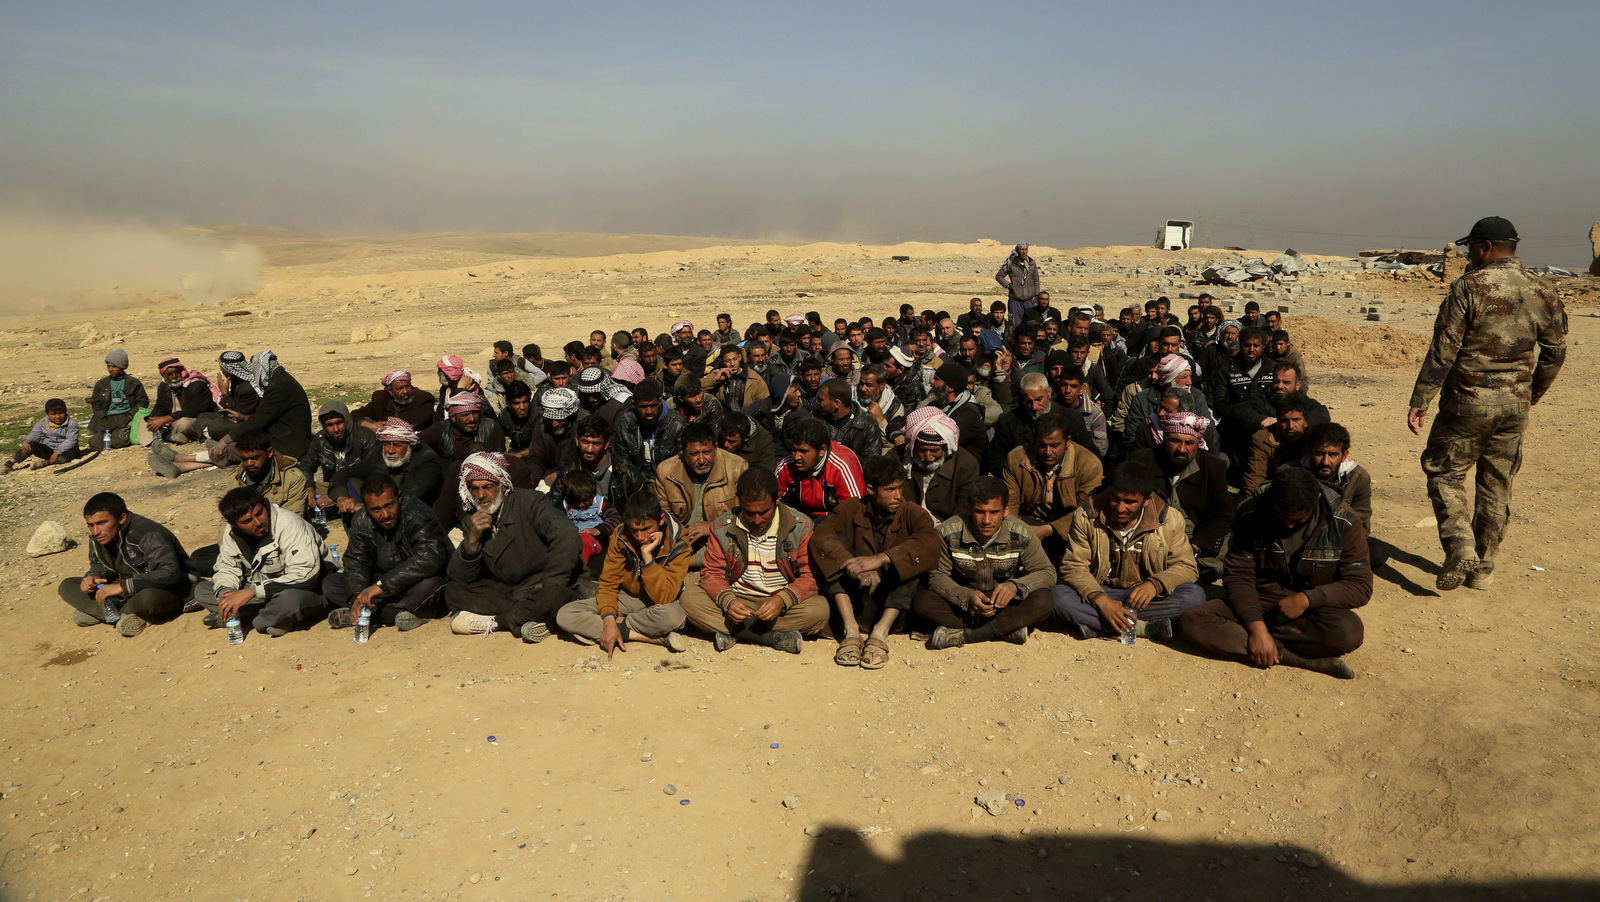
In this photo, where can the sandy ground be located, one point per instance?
(1460, 764)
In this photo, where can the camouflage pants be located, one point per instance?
(1489, 438)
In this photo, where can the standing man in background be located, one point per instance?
(1019, 276)
(1498, 342)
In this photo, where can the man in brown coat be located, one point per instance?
(696, 485)
(1048, 480)
(870, 552)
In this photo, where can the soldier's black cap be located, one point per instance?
(1491, 228)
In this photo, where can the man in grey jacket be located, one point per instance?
(395, 562)
(134, 562)
(519, 559)
(1019, 276)
(269, 567)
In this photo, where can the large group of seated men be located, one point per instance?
(968, 478)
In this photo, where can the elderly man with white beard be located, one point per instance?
(938, 469)
(519, 558)
(413, 466)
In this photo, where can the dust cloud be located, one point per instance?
(57, 264)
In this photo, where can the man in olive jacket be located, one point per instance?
(519, 559)
(1128, 561)
(394, 563)
(870, 552)
(1297, 568)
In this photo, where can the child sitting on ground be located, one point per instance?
(53, 440)
(594, 516)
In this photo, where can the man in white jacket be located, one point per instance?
(269, 567)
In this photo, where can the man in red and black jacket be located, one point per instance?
(818, 473)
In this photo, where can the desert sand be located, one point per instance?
(1459, 764)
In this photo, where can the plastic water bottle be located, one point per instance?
(333, 555)
(319, 514)
(235, 632)
(1130, 635)
(364, 626)
(113, 611)
(105, 442)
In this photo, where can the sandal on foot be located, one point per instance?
(849, 652)
(875, 655)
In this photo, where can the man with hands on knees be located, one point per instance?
(395, 561)
(269, 567)
(1297, 568)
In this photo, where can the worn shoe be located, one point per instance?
(467, 623)
(947, 637)
(161, 449)
(1481, 580)
(164, 468)
(1017, 637)
(130, 625)
(534, 632)
(212, 620)
(1334, 667)
(339, 618)
(277, 632)
(675, 643)
(1455, 572)
(405, 620)
(82, 618)
(6, 465)
(786, 640)
(1154, 630)
(722, 642)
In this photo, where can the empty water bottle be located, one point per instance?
(105, 441)
(113, 610)
(333, 554)
(364, 626)
(1130, 635)
(235, 632)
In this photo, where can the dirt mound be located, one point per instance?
(1335, 346)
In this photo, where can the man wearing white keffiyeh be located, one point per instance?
(519, 559)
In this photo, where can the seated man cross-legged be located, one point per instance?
(871, 552)
(134, 563)
(1128, 561)
(1297, 568)
(519, 558)
(395, 562)
(269, 567)
(640, 583)
(756, 581)
(993, 578)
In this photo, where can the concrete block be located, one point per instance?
(1374, 317)
(1283, 308)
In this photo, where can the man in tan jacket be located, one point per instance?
(1048, 480)
(696, 485)
(1128, 561)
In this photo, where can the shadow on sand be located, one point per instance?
(1096, 869)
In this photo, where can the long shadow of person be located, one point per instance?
(1061, 866)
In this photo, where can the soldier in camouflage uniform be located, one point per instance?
(1498, 343)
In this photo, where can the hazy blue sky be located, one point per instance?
(1328, 126)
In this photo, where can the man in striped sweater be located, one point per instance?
(756, 580)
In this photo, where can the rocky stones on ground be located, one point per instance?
(49, 538)
(994, 801)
